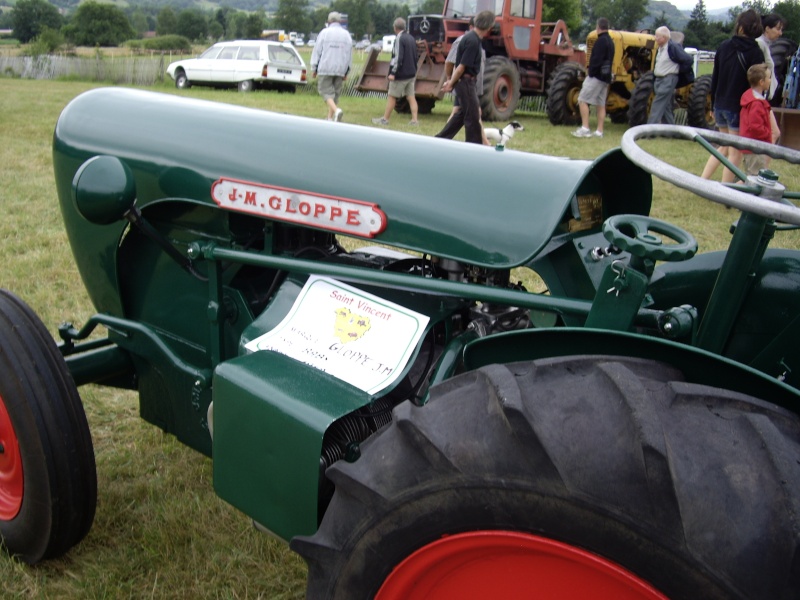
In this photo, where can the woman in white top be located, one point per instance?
(773, 29)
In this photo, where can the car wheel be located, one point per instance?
(566, 476)
(182, 81)
(48, 482)
(247, 85)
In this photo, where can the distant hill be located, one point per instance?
(677, 18)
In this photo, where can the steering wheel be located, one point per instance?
(632, 233)
(747, 201)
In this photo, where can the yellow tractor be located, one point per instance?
(631, 91)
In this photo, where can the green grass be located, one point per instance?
(160, 532)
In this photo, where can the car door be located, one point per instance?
(248, 63)
(199, 69)
(223, 69)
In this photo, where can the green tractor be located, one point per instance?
(406, 415)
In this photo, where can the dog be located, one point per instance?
(500, 137)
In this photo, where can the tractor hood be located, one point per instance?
(475, 204)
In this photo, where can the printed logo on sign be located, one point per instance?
(350, 326)
(352, 217)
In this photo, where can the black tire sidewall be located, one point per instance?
(498, 67)
(641, 97)
(565, 78)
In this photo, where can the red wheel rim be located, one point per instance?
(508, 564)
(10, 468)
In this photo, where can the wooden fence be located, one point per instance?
(149, 70)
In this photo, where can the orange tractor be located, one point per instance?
(521, 53)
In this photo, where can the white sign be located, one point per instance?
(352, 217)
(355, 336)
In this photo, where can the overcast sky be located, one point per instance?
(710, 4)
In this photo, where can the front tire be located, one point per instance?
(501, 89)
(182, 81)
(641, 99)
(48, 483)
(613, 458)
(700, 111)
(562, 94)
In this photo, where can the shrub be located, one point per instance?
(163, 43)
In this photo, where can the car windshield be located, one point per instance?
(211, 52)
(468, 8)
(284, 55)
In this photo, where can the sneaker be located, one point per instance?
(582, 132)
(380, 121)
(337, 116)
(413, 123)
(598, 134)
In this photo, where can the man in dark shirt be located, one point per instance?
(595, 88)
(463, 81)
(402, 73)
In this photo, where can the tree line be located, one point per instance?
(91, 23)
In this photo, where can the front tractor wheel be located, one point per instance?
(501, 89)
(579, 477)
(699, 112)
(48, 485)
(562, 94)
(641, 99)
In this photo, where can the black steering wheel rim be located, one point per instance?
(631, 233)
(711, 190)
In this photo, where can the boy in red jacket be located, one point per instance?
(754, 117)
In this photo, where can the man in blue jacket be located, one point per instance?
(402, 73)
(673, 69)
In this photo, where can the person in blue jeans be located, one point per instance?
(729, 81)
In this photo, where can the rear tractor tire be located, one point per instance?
(782, 50)
(562, 94)
(501, 89)
(569, 476)
(48, 483)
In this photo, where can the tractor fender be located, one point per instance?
(699, 366)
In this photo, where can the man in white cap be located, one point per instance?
(330, 63)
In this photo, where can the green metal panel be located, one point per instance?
(451, 203)
(270, 413)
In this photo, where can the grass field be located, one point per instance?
(160, 532)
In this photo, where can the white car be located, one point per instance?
(246, 64)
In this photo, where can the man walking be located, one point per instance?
(331, 60)
(595, 88)
(463, 81)
(673, 69)
(402, 73)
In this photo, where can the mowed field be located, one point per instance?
(160, 532)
